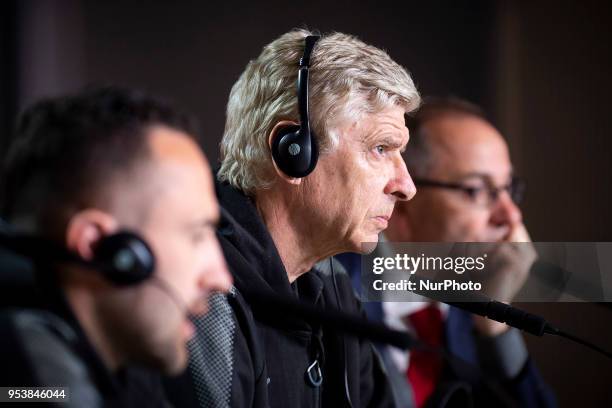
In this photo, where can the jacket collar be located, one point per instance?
(251, 253)
(108, 384)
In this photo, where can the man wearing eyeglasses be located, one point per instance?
(467, 192)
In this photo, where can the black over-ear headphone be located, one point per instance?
(294, 149)
(122, 258)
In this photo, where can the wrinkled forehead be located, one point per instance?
(464, 145)
(386, 125)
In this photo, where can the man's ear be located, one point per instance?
(274, 133)
(86, 228)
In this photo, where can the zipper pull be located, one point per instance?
(314, 377)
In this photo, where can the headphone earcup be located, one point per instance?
(291, 155)
(124, 258)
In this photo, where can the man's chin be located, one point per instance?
(368, 247)
(169, 358)
(366, 244)
(177, 364)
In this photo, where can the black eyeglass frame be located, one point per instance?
(516, 188)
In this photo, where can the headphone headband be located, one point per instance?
(309, 43)
(295, 150)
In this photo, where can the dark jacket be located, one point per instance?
(271, 354)
(44, 346)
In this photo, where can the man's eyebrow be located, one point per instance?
(390, 140)
(482, 175)
(475, 174)
(212, 222)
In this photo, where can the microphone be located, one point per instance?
(504, 313)
(165, 287)
(273, 304)
(270, 303)
(483, 306)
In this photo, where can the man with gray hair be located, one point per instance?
(307, 172)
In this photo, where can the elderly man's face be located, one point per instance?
(351, 194)
(468, 151)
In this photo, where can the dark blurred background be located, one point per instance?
(542, 70)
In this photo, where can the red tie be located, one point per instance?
(425, 367)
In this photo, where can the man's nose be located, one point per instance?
(217, 277)
(401, 185)
(505, 211)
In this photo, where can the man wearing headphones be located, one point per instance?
(307, 171)
(85, 173)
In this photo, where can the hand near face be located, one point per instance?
(509, 264)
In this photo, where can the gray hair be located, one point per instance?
(348, 78)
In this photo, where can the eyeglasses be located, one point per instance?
(486, 194)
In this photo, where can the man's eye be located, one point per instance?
(380, 149)
(473, 191)
(477, 193)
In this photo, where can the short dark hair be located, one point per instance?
(418, 153)
(65, 150)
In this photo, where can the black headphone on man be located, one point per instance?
(294, 149)
(123, 258)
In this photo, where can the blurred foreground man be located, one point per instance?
(84, 175)
(286, 208)
(467, 192)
